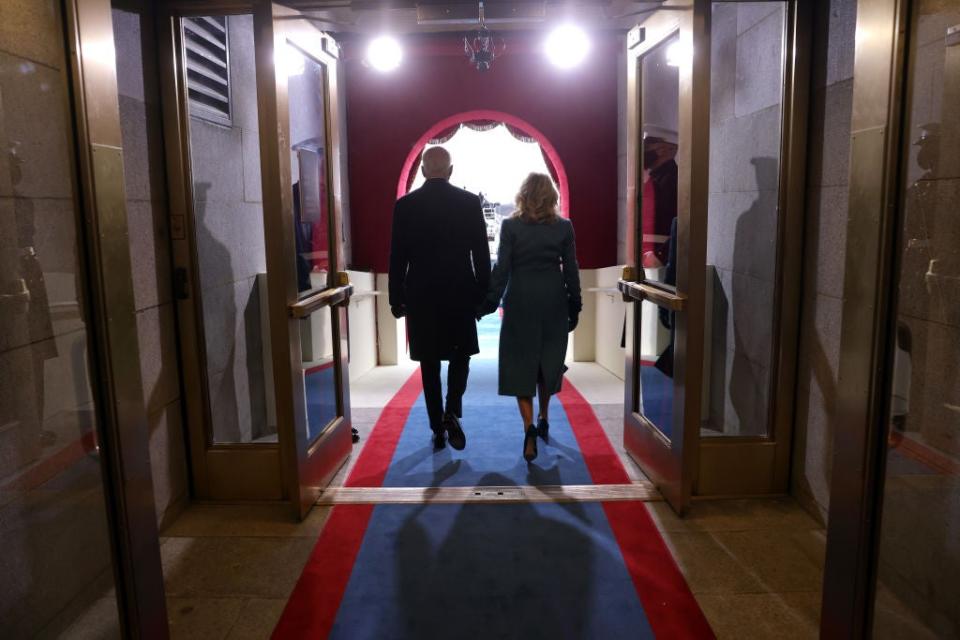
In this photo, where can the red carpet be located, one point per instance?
(670, 607)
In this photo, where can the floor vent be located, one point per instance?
(639, 490)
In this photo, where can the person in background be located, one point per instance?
(539, 281)
(659, 194)
(439, 272)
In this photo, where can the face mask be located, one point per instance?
(650, 157)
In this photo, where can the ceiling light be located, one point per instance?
(567, 46)
(384, 53)
(678, 54)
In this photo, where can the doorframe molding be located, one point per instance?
(869, 294)
(107, 283)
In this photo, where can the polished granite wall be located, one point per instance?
(828, 160)
(228, 205)
(55, 560)
(746, 92)
(149, 228)
(919, 576)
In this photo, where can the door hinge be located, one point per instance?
(181, 284)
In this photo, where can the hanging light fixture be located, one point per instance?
(483, 46)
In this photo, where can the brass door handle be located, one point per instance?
(327, 298)
(639, 291)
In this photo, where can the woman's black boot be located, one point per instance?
(543, 429)
(530, 444)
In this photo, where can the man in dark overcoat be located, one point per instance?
(439, 272)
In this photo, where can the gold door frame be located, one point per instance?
(672, 464)
(220, 471)
(869, 297)
(267, 471)
(757, 465)
(107, 285)
(307, 466)
(743, 465)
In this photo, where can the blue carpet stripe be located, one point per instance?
(489, 571)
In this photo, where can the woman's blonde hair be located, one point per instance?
(537, 199)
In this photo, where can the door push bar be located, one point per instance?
(638, 291)
(330, 297)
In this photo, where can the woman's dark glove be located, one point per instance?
(573, 320)
(486, 308)
(398, 310)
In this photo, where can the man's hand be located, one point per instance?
(398, 311)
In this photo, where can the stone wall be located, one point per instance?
(831, 93)
(745, 124)
(146, 191)
(230, 244)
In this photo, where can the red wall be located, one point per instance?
(575, 109)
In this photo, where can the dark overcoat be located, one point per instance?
(538, 278)
(439, 268)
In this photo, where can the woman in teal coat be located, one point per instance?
(538, 278)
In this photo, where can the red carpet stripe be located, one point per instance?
(313, 605)
(667, 600)
(668, 603)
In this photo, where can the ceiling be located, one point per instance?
(431, 16)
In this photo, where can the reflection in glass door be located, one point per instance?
(228, 223)
(309, 290)
(665, 249)
(316, 248)
(918, 573)
(56, 571)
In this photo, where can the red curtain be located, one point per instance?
(481, 125)
(444, 135)
(519, 134)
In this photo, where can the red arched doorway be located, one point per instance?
(552, 157)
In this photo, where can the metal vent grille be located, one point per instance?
(208, 66)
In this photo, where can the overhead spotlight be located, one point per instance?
(384, 54)
(678, 54)
(567, 46)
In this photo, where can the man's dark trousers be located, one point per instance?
(457, 372)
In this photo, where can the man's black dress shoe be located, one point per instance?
(439, 441)
(455, 434)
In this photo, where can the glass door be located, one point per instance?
(252, 139)
(213, 110)
(309, 288)
(666, 248)
(918, 547)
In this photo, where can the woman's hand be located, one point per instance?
(486, 308)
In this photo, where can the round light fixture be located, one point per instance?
(384, 53)
(678, 54)
(567, 46)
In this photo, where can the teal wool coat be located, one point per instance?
(538, 279)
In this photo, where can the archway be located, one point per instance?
(552, 157)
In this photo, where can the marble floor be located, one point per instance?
(755, 566)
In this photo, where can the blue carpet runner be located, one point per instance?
(541, 570)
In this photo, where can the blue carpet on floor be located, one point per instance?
(494, 436)
(321, 395)
(656, 391)
(489, 571)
